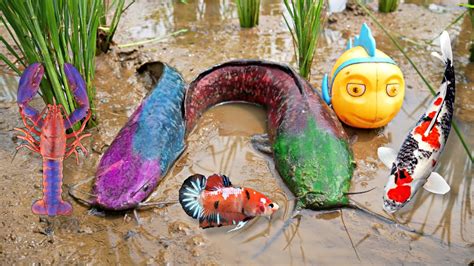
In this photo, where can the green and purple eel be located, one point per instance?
(309, 145)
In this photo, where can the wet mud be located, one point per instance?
(221, 144)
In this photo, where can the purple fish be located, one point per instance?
(145, 147)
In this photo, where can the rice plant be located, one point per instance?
(57, 31)
(387, 6)
(304, 24)
(425, 80)
(107, 32)
(249, 11)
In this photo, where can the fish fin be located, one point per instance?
(446, 51)
(387, 156)
(218, 219)
(436, 184)
(239, 226)
(215, 182)
(325, 90)
(436, 55)
(442, 93)
(349, 44)
(190, 194)
(366, 40)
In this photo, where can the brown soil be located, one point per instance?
(221, 144)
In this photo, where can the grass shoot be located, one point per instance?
(248, 11)
(387, 6)
(304, 24)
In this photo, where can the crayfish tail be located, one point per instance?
(40, 207)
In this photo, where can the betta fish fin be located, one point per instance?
(217, 217)
(325, 90)
(239, 226)
(190, 195)
(215, 182)
(387, 156)
(436, 184)
(366, 40)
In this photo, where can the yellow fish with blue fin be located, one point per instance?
(366, 87)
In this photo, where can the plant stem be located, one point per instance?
(158, 39)
(387, 6)
(305, 28)
(248, 11)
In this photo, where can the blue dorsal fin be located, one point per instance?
(356, 41)
(349, 44)
(366, 40)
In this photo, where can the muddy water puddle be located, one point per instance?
(221, 144)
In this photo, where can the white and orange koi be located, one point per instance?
(413, 166)
(215, 202)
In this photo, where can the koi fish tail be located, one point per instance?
(447, 57)
(189, 195)
(52, 203)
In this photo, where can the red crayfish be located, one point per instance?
(45, 133)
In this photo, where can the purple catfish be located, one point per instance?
(145, 147)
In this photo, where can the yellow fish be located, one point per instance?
(366, 87)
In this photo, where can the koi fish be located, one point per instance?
(215, 202)
(413, 167)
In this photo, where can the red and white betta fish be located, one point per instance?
(215, 202)
(413, 166)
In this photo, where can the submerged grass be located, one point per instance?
(425, 80)
(387, 6)
(56, 32)
(248, 11)
(304, 24)
(471, 14)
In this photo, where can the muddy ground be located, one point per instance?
(221, 144)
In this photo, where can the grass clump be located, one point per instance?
(304, 24)
(387, 6)
(54, 32)
(249, 11)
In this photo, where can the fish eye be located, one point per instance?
(355, 89)
(271, 205)
(145, 188)
(393, 89)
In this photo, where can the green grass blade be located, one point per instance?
(10, 64)
(305, 29)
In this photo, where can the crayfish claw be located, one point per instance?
(77, 85)
(28, 87)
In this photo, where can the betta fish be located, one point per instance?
(215, 202)
(413, 166)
